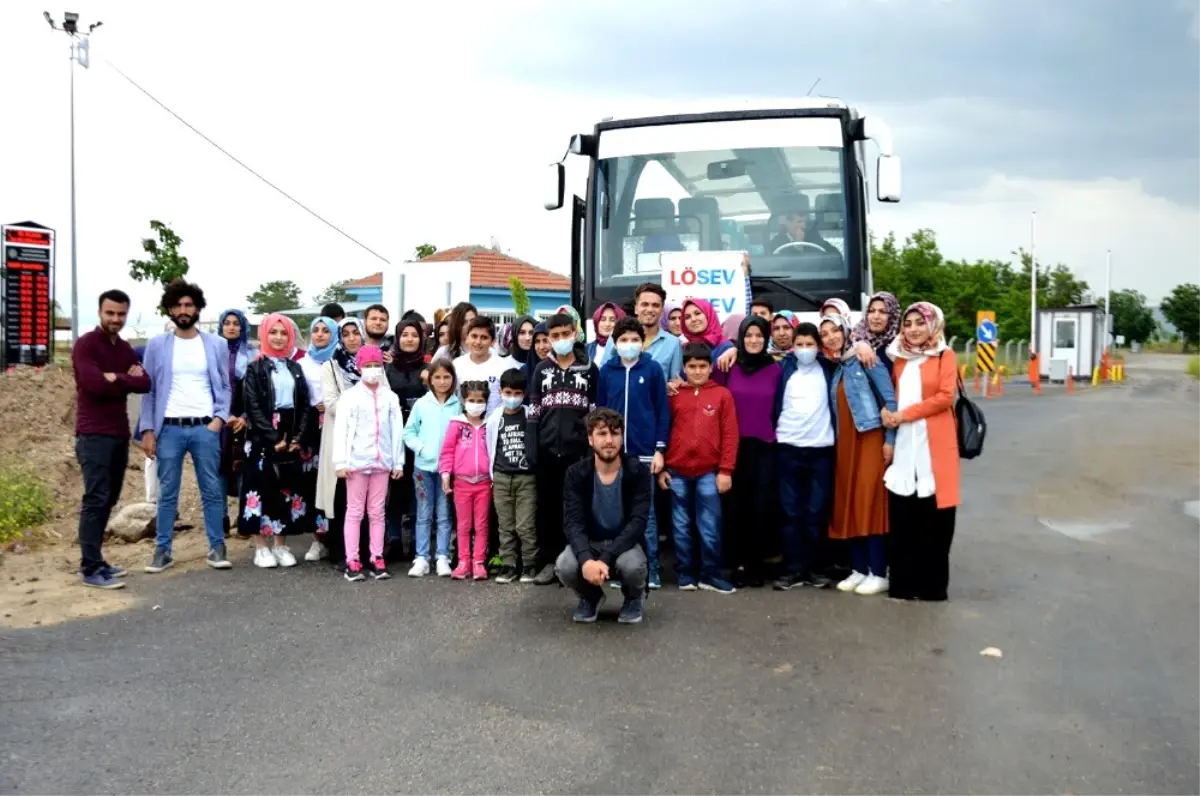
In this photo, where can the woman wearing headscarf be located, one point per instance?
(859, 395)
(731, 327)
(339, 373)
(322, 342)
(671, 320)
(923, 479)
(835, 305)
(877, 328)
(603, 320)
(754, 381)
(236, 333)
(539, 349)
(522, 339)
(580, 331)
(277, 404)
(456, 331)
(404, 375)
(701, 325)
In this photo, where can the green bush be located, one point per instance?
(25, 501)
(1193, 367)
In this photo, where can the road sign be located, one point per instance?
(985, 326)
(985, 357)
(25, 299)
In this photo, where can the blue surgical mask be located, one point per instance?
(806, 356)
(512, 401)
(563, 347)
(629, 351)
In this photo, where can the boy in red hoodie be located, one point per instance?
(701, 455)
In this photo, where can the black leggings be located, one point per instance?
(753, 514)
(919, 536)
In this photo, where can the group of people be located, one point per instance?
(834, 445)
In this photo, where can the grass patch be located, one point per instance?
(25, 500)
(1193, 367)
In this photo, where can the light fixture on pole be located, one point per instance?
(79, 54)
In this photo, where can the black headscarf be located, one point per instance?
(516, 352)
(751, 363)
(343, 358)
(409, 360)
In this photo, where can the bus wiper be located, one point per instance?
(800, 294)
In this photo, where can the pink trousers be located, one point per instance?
(471, 505)
(365, 493)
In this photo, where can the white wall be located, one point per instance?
(424, 286)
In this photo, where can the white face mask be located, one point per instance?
(512, 401)
(372, 375)
(806, 356)
(629, 351)
(563, 347)
(475, 408)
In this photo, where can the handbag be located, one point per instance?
(970, 424)
(150, 476)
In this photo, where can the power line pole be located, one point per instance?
(79, 53)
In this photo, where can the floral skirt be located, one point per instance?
(278, 490)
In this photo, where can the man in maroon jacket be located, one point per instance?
(106, 372)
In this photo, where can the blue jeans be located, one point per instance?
(205, 448)
(868, 555)
(651, 541)
(805, 493)
(700, 492)
(428, 488)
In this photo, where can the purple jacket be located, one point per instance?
(157, 363)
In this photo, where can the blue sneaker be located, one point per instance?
(631, 611)
(654, 582)
(112, 571)
(719, 585)
(588, 610)
(101, 580)
(687, 583)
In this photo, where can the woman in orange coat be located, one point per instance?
(922, 481)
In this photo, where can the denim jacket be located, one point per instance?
(861, 395)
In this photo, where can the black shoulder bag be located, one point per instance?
(969, 422)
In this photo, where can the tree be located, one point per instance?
(425, 250)
(1182, 309)
(274, 296)
(334, 294)
(165, 263)
(520, 296)
(1131, 317)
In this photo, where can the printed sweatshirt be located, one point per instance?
(559, 402)
(639, 394)
(426, 428)
(704, 431)
(465, 452)
(369, 429)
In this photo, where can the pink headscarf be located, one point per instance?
(900, 348)
(368, 355)
(608, 305)
(264, 333)
(712, 333)
(732, 326)
(842, 307)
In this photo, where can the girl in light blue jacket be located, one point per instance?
(423, 435)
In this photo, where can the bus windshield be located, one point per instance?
(785, 205)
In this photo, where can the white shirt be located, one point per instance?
(489, 371)
(911, 471)
(805, 421)
(312, 376)
(191, 392)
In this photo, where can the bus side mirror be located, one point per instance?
(887, 178)
(557, 187)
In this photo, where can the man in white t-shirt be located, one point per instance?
(184, 412)
(805, 431)
(481, 363)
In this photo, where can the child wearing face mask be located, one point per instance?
(466, 469)
(514, 485)
(368, 449)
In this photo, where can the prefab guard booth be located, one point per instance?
(1070, 338)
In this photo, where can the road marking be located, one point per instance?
(1083, 531)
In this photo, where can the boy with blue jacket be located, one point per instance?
(633, 384)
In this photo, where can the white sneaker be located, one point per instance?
(443, 567)
(264, 558)
(283, 556)
(851, 583)
(420, 568)
(873, 584)
(317, 551)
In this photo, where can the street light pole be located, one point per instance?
(78, 50)
(1033, 288)
(1108, 324)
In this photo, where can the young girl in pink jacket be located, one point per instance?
(465, 457)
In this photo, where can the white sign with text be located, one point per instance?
(715, 276)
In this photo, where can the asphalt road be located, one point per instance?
(295, 681)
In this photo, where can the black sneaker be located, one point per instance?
(379, 569)
(788, 581)
(821, 581)
(545, 576)
(506, 574)
(631, 611)
(587, 610)
(162, 560)
(217, 559)
(528, 574)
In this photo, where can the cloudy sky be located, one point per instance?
(435, 126)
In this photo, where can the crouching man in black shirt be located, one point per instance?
(606, 505)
